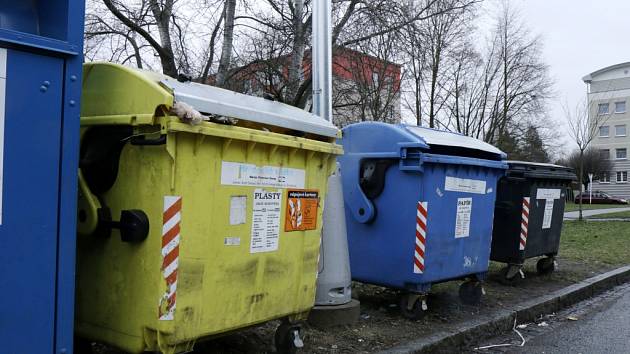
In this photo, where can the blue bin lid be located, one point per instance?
(384, 138)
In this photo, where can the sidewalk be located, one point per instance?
(573, 215)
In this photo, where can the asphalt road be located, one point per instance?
(600, 325)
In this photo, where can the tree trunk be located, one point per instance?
(581, 182)
(297, 54)
(213, 38)
(228, 41)
(434, 78)
(418, 103)
(163, 18)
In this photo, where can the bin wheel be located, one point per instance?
(511, 275)
(288, 338)
(546, 265)
(470, 292)
(412, 306)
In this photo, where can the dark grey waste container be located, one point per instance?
(528, 216)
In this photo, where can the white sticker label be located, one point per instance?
(543, 193)
(3, 90)
(238, 210)
(242, 174)
(455, 184)
(232, 241)
(266, 220)
(548, 214)
(462, 221)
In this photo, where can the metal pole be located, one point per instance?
(322, 59)
(590, 188)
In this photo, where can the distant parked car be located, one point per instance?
(599, 197)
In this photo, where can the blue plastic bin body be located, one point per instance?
(453, 176)
(40, 89)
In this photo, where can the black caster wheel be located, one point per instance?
(470, 292)
(288, 338)
(412, 306)
(511, 275)
(545, 265)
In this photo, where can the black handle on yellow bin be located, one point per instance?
(95, 218)
(133, 226)
(101, 148)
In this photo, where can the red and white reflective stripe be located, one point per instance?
(524, 224)
(421, 237)
(170, 254)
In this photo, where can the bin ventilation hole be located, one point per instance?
(82, 215)
(361, 211)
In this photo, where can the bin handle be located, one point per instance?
(88, 206)
(360, 206)
(143, 141)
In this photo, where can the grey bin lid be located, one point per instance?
(444, 138)
(213, 100)
(540, 170)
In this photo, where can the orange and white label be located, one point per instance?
(301, 210)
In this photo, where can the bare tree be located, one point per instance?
(583, 128)
(497, 93)
(176, 33)
(592, 161)
(285, 24)
(525, 84)
(444, 34)
(367, 86)
(228, 42)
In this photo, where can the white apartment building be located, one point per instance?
(608, 91)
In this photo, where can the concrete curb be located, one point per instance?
(503, 321)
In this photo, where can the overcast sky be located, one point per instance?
(580, 36)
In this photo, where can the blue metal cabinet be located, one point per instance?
(40, 68)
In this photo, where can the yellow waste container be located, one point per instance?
(188, 231)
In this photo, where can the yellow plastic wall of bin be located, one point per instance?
(217, 257)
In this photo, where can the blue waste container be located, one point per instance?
(40, 81)
(419, 208)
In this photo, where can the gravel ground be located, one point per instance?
(381, 326)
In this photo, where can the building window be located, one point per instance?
(622, 176)
(620, 107)
(604, 131)
(602, 108)
(620, 130)
(604, 177)
(621, 154)
(604, 154)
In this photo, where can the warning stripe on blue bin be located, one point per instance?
(421, 237)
